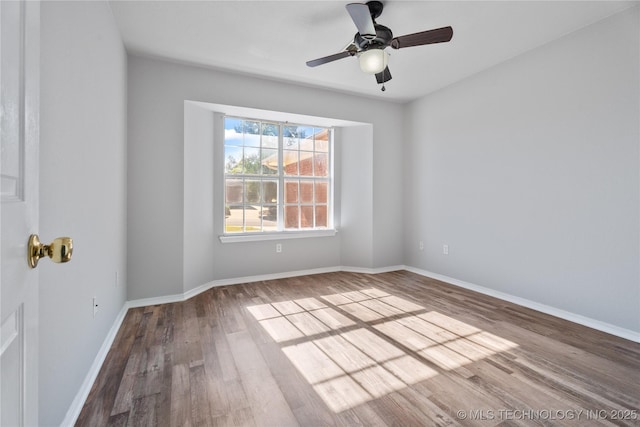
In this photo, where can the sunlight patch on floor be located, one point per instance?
(343, 371)
(349, 365)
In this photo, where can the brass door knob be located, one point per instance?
(60, 250)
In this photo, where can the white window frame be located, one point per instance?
(282, 232)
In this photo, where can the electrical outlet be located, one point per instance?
(278, 248)
(445, 249)
(94, 302)
(421, 245)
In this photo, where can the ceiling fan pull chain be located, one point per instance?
(383, 88)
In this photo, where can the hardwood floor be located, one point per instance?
(360, 350)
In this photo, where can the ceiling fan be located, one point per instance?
(370, 41)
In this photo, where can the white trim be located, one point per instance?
(280, 235)
(372, 270)
(553, 311)
(258, 278)
(78, 402)
(145, 302)
(226, 282)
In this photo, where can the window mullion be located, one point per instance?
(314, 200)
(280, 216)
(314, 181)
(330, 189)
(244, 200)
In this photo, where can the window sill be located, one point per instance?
(282, 235)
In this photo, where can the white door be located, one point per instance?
(19, 75)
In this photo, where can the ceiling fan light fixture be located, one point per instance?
(373, 61)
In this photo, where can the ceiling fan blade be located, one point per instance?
(439, 35)
(361, 16)
(383, 76)
(330, 58)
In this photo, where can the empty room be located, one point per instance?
(320, 213)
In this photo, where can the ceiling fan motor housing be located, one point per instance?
(382, 39)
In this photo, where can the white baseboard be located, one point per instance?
(250, 279)
(144, 302)
(553, 311)
(226, 282)
(78, 402)
(372, 270)
(259, 278)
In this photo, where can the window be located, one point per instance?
(277, 176)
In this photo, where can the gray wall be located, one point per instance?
(159, 235)
(82, 191)
(198, 230)
(530, 173)
(356, 198)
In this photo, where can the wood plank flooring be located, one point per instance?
(347, 349)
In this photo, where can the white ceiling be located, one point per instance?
(274, 39)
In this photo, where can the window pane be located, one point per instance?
(290, 137)
(306, 216)
(306, 191)
(234, 220)
(269, 214)
(290, 191)
(232, 131)
(251, 140)
(270, 129)
(321, 192)
(252, 163)
(252, 191)
(233, 191)
(233, 122)
(270, 162)
(269, 141)
(305, 135)
(251, 127)
(321, 164)
(270, 192)
(290, 131)
(291, 217)
(232, 159)
(321, 137)
(321, 216)
(270, 133)
(270, 218)
(290, 162)
(306, 144)
(306, 163)
(252, 218)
